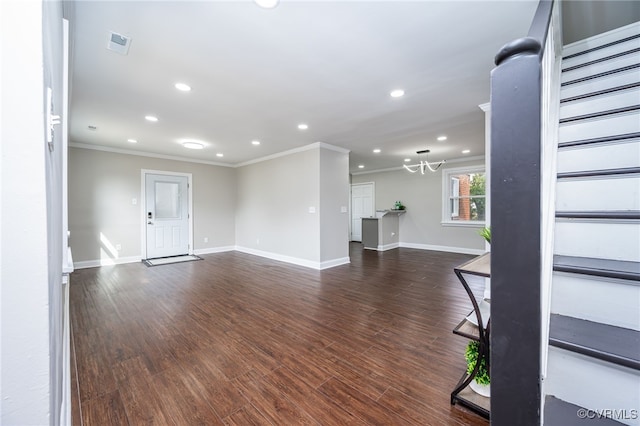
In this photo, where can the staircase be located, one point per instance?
(593, 368)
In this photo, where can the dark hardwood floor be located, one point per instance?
(238, 340)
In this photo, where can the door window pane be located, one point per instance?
(167, 201)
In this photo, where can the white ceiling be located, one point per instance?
(257, 73)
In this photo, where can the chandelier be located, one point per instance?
(413, 168)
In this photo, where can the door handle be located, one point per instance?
(149, 223)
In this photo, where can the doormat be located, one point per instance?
(173, 259)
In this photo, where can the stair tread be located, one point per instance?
(599, 267)
(561, 413)
(606, 342)
(600, 92)
(603, 139)
(604, 172)
(599, 214)
(620, 110)
(603, 46)
(600, 75)
(599, 60)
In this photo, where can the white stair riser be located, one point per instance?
(612, 155)
(601, 103)
(613, 193)
(592, 383)
(615, 240)
(598, 299)
(600, 53)
(602, 39)
(599, 127)
(597, 68)
(597, 84)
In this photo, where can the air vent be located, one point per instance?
(118, 43)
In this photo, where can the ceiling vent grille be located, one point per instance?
(118, 43)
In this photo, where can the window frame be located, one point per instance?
(447, 174)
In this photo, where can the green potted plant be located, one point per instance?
(481, 382)
(486, 234)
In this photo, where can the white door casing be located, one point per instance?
(166, 214)
(362, 202)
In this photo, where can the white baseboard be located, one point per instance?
(105, 262)
(211, 250)
(448, 249)
(280, 257)
(388, 246)
(335, 262)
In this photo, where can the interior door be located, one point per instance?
(361, 206)
(167, 215)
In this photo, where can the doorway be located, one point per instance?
(362, 202)
(167, 223)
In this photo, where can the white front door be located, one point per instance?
(167, 215)
(361, 206)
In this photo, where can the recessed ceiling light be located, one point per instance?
(406, 160)
(151, 118)
(183, 87)
(192, 145)
(303, 126)
(466, 151)
(267, 4)
(376, 151)
(361, 166)
(219, 154)
(255, 142)
(398, 93)
(442, 138)
(132, 141)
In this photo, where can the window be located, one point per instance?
(463, 192)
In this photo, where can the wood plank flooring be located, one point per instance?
(236, 339)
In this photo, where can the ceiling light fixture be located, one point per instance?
(151, 118)
(442, 138)
(361, 166)
(376, 151)
(406, 160)
(413, 168)
(303, 126)
(219, 154)
(466, 151)
(132, 141)
(398, 93)
(267, 4)
(192, 145)
(255, 143)
(183, 87)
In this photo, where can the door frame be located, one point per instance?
(373, 202)
(143, 204)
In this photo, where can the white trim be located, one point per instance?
(486, 107)
(448, 249)
(145, 154)
(446, 172)
(281, 258)
(335, 262)
(392, 169)
(143, 203)
(106, 262)
(373, 205)
(332, 147)
(600, 39)
(211, 250)
(388, 247)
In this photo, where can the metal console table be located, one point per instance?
(476, 328)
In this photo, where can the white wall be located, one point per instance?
(30, 261)
(274, 198)
(334, 206)
(421, 226)
(102, 186)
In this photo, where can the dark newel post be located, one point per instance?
(515, 226)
